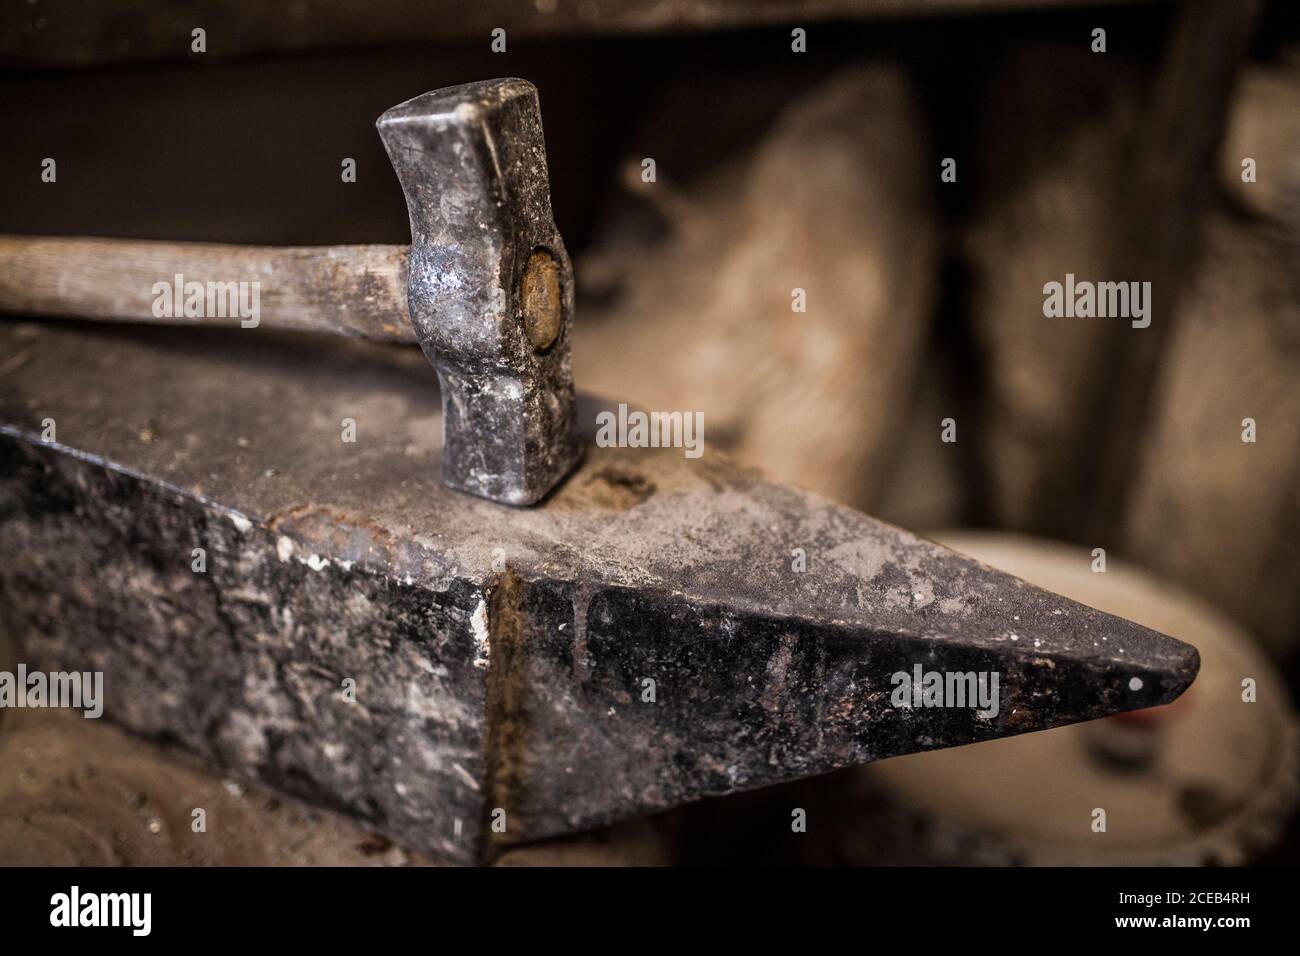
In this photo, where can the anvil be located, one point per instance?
(242, 530)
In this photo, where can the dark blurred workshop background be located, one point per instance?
(819, 170)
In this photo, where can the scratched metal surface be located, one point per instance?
(641, 564)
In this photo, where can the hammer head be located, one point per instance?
(490, 284)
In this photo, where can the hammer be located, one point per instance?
(485, 288)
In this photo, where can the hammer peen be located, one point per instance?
(486, 283)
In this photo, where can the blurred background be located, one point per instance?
(820, 170)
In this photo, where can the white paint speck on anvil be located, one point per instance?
(240, 522)
(478, 622)
(284, 548)
(465, 775)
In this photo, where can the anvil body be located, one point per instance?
(499, 658)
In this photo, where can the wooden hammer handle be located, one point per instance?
(357, 291)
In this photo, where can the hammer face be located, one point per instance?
(490, 284)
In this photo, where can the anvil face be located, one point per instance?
(459, 673)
